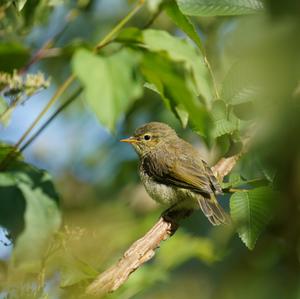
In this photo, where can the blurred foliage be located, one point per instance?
(225, 69)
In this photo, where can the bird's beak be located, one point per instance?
(129, 140)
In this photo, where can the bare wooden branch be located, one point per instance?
(144, 248)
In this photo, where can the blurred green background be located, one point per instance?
(53, 250)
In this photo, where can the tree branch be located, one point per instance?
(144, 248)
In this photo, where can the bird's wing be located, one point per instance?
(180, 170)
(189, 174)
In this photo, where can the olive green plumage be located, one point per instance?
(173, 172)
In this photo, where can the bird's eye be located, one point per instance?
(147, 137)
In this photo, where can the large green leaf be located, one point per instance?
(183, 22)
(110, 83)
(180, 50)
(29, 211)
(241, 84)
(170, 81)
(219, 7)
(251, 211)
(42, 219)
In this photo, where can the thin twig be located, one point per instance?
(144, 248)
(104, 41)
(62, 107)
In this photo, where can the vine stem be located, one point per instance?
(104, 41)
(212, 77)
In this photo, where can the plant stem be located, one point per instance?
(212, 77)
(119, 26)
(104, 41)
(63, 106)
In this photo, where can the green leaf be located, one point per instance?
(181, 51)
(219, 7)
(241, 84)
(170, 81)
(251, 211)
(130, 35)
(74, 270)
(201, 248)
(153, 5)
(20, 4)
(183, 22)
(29, 211)
(12, 56)
(234, 180)
(42, 219)
(224, 121)
(110, 83)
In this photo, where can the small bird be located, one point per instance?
(174, 173)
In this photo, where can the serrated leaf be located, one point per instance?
(224, 121)
(109, 82)
(219, 7)
(251, 211)
(183, 22)
(241, 84)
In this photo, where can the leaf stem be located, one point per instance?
(63, 106)
(104, 41)
(107, 39)
(212, 77)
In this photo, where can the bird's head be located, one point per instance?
(150, 137)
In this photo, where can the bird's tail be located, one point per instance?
(213, 210)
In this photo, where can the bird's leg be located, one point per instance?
(175, 214)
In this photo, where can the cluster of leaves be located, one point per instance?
(179, 72)
(177, 69)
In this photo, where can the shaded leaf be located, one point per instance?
(200, 248)
(29, 211)
(42, 219)
(234, 180)
(251, 211)
(75, 270)
(130, 35)
(241, 84)
(12, 56)
(224, 121)
(183, 22)
(170, 81)
(219, 7)
(110, 83)
(180, 51)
